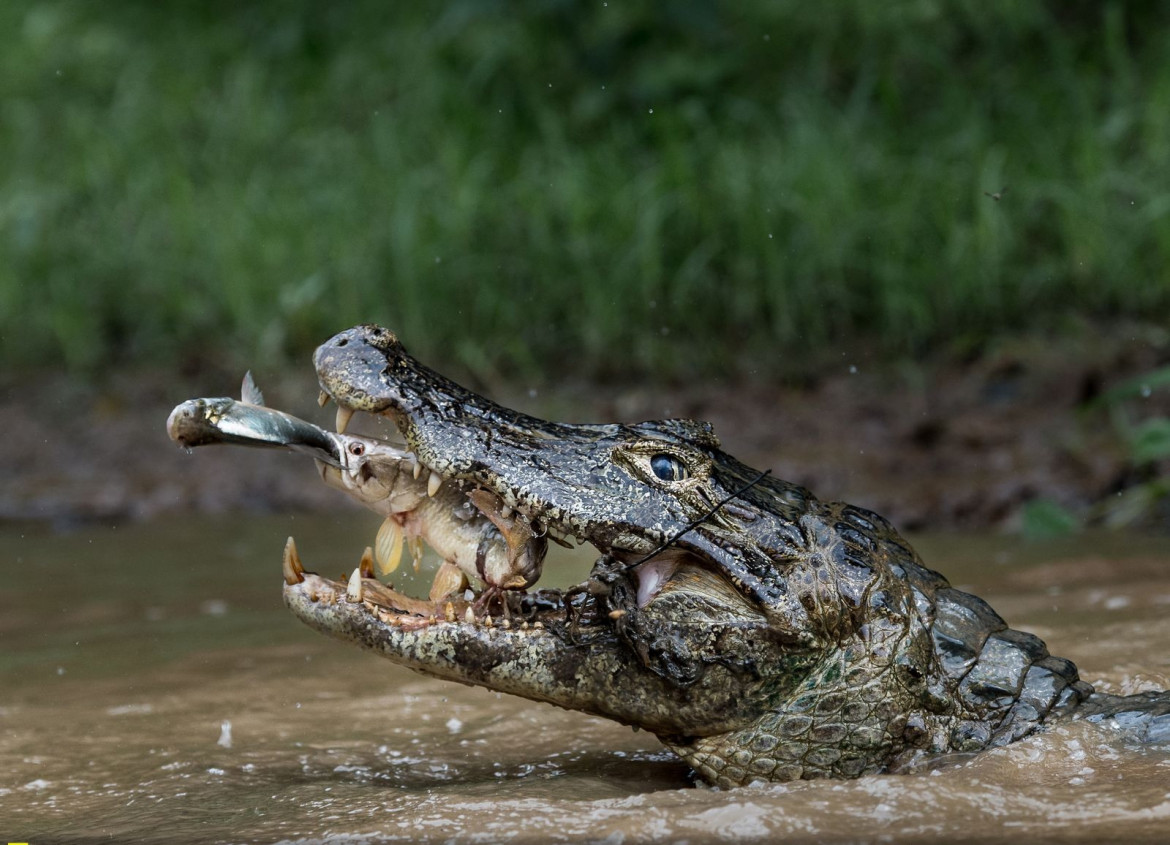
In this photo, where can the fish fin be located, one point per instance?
(249, 392)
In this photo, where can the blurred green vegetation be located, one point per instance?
(1142, 494)
(648, 188)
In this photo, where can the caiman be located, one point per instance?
(759, 633)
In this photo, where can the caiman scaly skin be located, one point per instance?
(779, 638)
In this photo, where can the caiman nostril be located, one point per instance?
(343, 342)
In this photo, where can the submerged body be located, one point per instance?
(761, 634)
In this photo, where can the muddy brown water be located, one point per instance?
(154, 689)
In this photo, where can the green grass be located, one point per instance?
(661, 189)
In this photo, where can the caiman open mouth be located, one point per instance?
(456, 594)
(491, 552)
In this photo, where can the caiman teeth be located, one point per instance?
(353, 590)
(388, 546)
(417, 469)
(433, 483)
(322, 399)
(294, 573)
(344, 415)
(559, 537)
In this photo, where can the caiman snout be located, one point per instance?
(350, 364)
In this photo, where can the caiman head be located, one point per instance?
(758, 632)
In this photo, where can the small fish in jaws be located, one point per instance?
(470, 531)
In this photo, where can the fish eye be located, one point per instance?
(667, 467)
(357, 449)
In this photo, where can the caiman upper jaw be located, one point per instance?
(524, 461)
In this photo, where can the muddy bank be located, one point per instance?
(956, 444)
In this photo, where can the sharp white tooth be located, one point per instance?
(417, 468)
(353, 591)
(469, 616)
(433, 483)
(388, 546)
(344, 415)
(505, 512)
(322, 399)
(294, 573)
(449, 612)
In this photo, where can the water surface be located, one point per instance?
(154, 689)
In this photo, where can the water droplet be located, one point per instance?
(1146, 391)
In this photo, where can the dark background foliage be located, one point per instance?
(656, 188)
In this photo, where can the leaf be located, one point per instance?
(1045, 519)
(1151, 441)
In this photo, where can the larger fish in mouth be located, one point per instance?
(760, 633)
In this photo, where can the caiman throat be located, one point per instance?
(760, 633)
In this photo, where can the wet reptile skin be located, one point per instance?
(792, 638)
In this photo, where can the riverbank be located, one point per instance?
(933, 446)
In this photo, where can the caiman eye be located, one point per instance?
(357, 449)
(668, 468)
